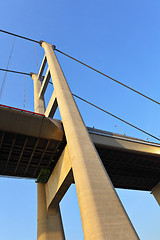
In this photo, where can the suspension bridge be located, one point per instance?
(58, 153)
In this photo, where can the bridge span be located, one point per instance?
(31, 144)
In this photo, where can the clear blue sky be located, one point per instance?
(120, 38)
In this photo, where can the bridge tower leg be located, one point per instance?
(102, 214)
(49, 223)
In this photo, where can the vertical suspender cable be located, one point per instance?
(36, 57)
(24, 103)
(5, 75)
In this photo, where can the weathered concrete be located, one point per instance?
(102, 214)
(60, 180)
(156, 193)
(49, 223)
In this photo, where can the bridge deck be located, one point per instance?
(131, 163)
(31, 142)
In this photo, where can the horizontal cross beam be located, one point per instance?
(60, 180)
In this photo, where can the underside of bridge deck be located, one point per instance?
(131, 163)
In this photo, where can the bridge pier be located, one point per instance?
(49, 223)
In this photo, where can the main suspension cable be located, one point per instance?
(86, 65)
(16, 35)
(105, 75)
(101, 109)
(12, 71)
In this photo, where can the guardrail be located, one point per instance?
(22, 110)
